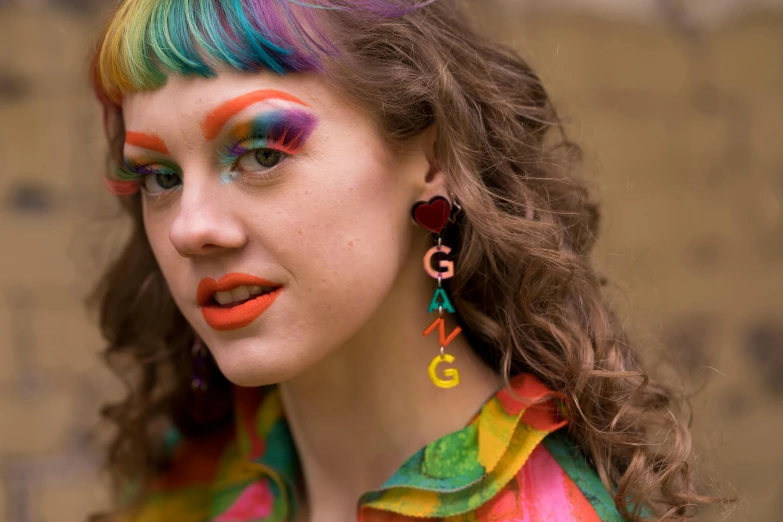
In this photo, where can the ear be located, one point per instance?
(433, 181)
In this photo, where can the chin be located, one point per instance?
(244, 364)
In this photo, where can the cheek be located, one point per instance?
(156, 227)
(354, 228)
(157, 232)
(347, 244)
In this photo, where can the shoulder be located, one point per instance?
(556, 484)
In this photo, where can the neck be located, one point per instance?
(359, 414)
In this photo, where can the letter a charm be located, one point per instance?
(440, 299)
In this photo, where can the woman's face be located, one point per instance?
(259, 182)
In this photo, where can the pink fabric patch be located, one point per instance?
(254, 502)
(540, 491)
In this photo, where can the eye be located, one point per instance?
(157, 182)
(259, 159)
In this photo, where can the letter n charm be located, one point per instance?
(440, 324)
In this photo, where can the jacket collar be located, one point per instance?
(449, 476)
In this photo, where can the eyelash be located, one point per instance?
(129, 178)
(229, 156)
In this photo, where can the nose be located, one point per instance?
(206, 223)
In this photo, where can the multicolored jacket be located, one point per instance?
(511, 462)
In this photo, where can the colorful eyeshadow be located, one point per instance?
(284, 130)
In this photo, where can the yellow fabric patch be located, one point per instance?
(407, 501)
(234, 469)
(185, 506)
(269, 412)
(495, 429)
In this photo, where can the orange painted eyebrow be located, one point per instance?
(146, 141)
(216, 119)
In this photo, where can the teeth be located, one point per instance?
(240, 293)
(223, 297)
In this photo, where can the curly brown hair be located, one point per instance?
(525, 289)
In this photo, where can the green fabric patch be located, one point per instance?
(453, 455)
(446, 464)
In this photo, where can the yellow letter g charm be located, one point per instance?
(451, 374)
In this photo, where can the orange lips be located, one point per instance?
(238, 316)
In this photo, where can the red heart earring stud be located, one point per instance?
(433, 214)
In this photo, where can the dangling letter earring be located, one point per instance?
(198, 378)
(209, 394)
(434, 215)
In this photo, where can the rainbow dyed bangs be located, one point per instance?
(146, 40)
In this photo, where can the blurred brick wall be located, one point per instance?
(681, 126)
(51, 384)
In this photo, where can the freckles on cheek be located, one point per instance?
(340, 245)
(314, 250)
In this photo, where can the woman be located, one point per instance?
(358, 284)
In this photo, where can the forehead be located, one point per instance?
(188, 100)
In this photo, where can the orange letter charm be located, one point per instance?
(441, 325)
